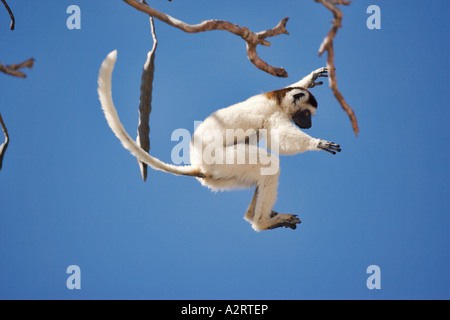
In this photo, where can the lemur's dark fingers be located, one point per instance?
(328, 150)
(317, 84)
(335, 147)
(322, 72)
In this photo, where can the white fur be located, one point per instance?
(256, 114)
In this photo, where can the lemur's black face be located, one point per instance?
(302, 117)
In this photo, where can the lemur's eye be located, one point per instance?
(298, 96)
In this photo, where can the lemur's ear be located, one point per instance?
(298, 96)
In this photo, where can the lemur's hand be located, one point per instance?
(330, 147)
(322, 72)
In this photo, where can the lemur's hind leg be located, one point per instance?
(252, 172)
(251, 208)
(280, 220)
(260, 213)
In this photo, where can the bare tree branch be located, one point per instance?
(11, 15)
(252, 39)
(327, 45)
(13, 69)
(5, 144)
(145, 101)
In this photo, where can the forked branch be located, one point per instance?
(251, 38)
(13, 69)
(327, 45)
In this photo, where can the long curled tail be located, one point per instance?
(105, 96)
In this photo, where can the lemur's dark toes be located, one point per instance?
(291, 223)
(284, 224)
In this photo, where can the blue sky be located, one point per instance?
(71, 195)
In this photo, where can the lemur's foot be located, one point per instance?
(284, 220)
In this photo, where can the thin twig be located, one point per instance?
(5, 144)
(145, 101)
(327, 45)
(13, 69)
(11, 15)
(252, 39)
